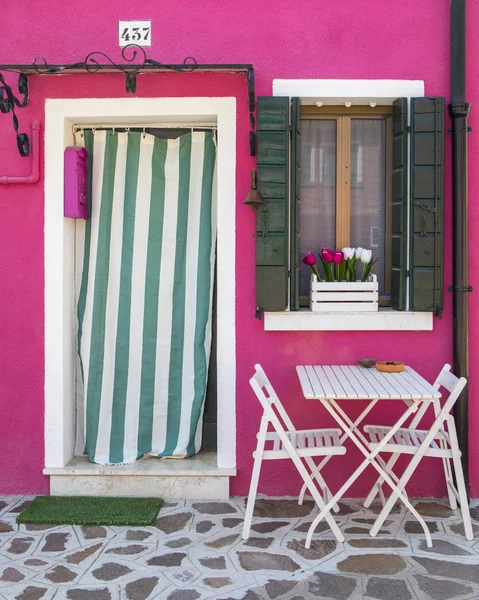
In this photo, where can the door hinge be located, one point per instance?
(409, 128)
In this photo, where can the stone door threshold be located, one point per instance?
(198, 477)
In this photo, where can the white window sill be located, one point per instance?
(385, 319)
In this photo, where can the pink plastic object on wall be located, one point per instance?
(75, 178)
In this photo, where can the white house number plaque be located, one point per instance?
(134, 32)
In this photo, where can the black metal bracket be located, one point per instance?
(454, 128)
(464, 288)
(8, 102)
(91, 64)
(259, 313)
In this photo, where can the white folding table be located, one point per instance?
(328, 384)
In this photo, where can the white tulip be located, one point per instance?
(359, 252)
(348, 253)
(366, 256)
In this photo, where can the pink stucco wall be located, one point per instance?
(327, 39)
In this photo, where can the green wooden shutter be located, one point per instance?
(295, 201)
(399, 205)
(272, 220)
(427, 204)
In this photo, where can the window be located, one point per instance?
(337, 177)
(344, 189)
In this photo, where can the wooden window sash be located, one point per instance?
(343, 175)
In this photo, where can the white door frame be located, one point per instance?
(60, 309)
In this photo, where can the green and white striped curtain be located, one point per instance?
(144, 272)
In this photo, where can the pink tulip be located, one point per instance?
(327, 255)
(309, 259)
(338, 257)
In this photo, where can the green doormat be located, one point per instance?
(90, 510)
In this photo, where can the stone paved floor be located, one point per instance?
(195, 552)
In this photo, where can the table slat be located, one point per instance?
(378, 387)
(330, 392)
(340, 392)
(386, 382)
(345, 382)
(357, 373)
(319, 391)
(403, 389)
(423, 382)
(306, 386)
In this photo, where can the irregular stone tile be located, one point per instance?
(92, 532)
(338, 587)
(89, 594)
(5, 527)
(386, 523)
(458, 528)
(179, 543)
(141, 588)
(127, 550)
(250, 595)
(377, 543)
(110, 571)
(363, 530)
(372, 564)
(376, 508)
(346, 509)
(439, 589)
(278, 588)
(204, 526)
(20, 545)
(32, 592)
(259, 542)
(34, 527)
(55, 542)
(174, 559)
(223, 541)
(12, 575)
(256, 561)
(269, 526)
(60, 574)
(169, 504)
(413, 527)
(184, 595)
(2, 505)
(319, 548)
(278, 507)
(217, 582)
(443, 547)
(77, 557)
(304, 527)
(172, 523)
(20, 507)
(35, 562)
(214, 562)
(137, 535)
(185, 576)
(449, 569)
(434, 509)
(230, 523)
(388, 589)
(214, 508)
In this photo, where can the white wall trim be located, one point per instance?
(60, 343)
(360, 91)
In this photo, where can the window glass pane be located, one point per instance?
(368, 191)
(318, 191)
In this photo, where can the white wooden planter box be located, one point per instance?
(343, 296)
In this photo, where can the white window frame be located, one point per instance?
(336, 92)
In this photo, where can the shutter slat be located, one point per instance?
(295, 201)
(427, 204)
(399, 213)
(272, 220)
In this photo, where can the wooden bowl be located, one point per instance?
(390, 366)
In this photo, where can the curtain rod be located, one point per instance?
(144, 126)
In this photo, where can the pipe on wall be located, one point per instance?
(35, 174)
(459, 112)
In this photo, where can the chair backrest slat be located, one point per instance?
(270, 401)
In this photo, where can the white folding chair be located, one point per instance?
(287, 442)
(439, 441)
